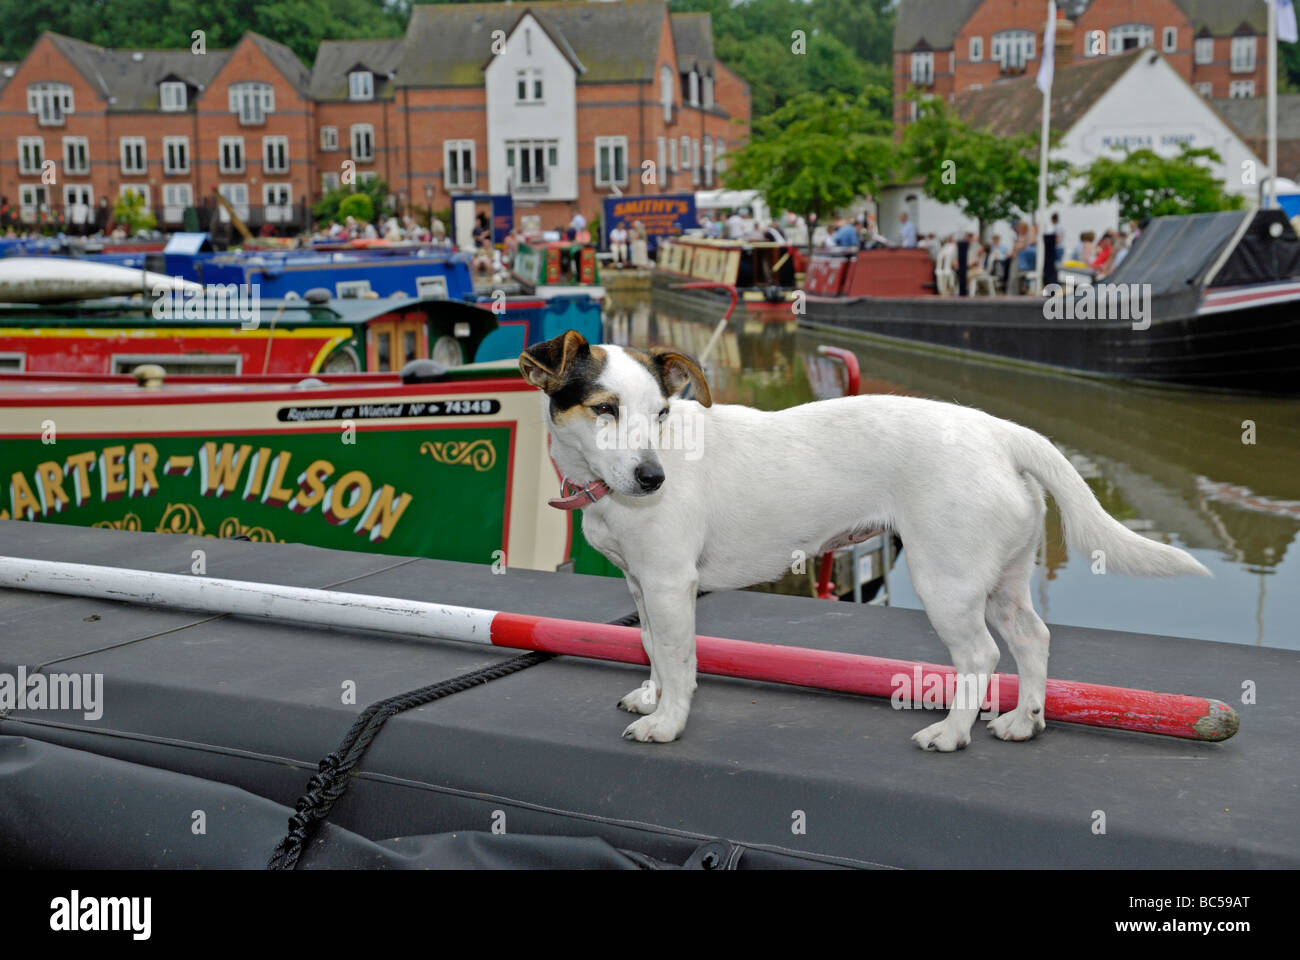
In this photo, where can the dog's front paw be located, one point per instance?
(642, 700)
(1016, 725)
(941, 738)
(656, 728)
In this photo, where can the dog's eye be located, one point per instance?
(662, 414)
(604, 410)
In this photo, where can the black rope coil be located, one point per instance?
(335, 770)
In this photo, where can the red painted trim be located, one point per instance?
(282, 431)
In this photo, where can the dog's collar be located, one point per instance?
(575, 497)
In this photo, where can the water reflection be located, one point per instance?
(1177, 465)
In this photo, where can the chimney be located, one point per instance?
(1064, 40)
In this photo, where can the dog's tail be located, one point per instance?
(1088, 527)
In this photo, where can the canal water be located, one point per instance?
(1177, 465)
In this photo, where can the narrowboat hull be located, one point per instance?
(453, 470)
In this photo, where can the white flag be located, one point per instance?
(1286, 26)
(1047, 68)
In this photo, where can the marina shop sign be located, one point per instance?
(129, 476)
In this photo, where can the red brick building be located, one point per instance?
(559, 104)
(945, 47)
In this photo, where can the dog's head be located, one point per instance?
(609, 405)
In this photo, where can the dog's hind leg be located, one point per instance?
(669, 613)
(955, 606)
(644, 698)
(1011, 612)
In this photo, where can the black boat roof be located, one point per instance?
(231, 716)
(1186, 253)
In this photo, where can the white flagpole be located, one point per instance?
(1042, 158)
(1270, 198)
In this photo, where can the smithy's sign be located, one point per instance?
(662, 216)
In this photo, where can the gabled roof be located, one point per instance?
(284, 60)
(934, 22)
(128, 79)
(1249, 117)
(335, 59)
(448, 44)
(693, 41)
(1016, 106)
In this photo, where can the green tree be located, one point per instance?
(343, 201)
(818, 153)
(1149, 185)
(130, 212)
(989, 177)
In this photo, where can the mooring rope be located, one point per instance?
(336, 769)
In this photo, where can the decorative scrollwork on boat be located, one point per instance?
(128, 522)
(232, 527)
(480, 454)
(181, 518)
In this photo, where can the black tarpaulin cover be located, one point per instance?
(1260, 257)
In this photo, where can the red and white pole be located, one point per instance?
(1143, 711)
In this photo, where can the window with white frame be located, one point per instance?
(141, 190)
(661, 158)
(329, 138)
(1241, 89)
(693, 87)
(923, 69)
(528, 86)
(1243, 54)
(530, 162)
(176, 154)
(277, 201)
(1204, 50)
(31, 154)
(458, 168)
(976, 49)
(361, 85)
(77, 194)
(252, 101)
(1013, 48)
(719, 159)
(1170, 39)
(275, 154)
(230, 154)
(666, 92)
(708, 92)
(329, 181)
(365, 176)
(133, 155)
(1131, 36)
(51, 102)
(176, 197)
(235, 194)
(172, 96)
(611, 161)
(1205, 89)
(708, 161)
(363, 142)
(32, 199)
(76, 156)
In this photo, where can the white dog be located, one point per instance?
(683, 495)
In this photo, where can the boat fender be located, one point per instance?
(318, 295)
(310, 383)
(423, 371)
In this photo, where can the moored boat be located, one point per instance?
(762, 272)
(1206, 300)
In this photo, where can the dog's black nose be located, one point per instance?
(650, 476)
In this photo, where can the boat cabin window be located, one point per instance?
(351, 289)
(431, 288)
(219, 364)
(395, 343)
(12, 362)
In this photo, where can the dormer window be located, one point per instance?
(252, 101)
(51, 102)
(694, 83)
(708, 92)
(361, 85)
(172, 96)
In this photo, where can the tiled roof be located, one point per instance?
(128, 79)
(933, 22)
(693, 41)
(335, 58)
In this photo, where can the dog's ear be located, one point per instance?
(546, 365)
(676, 370)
